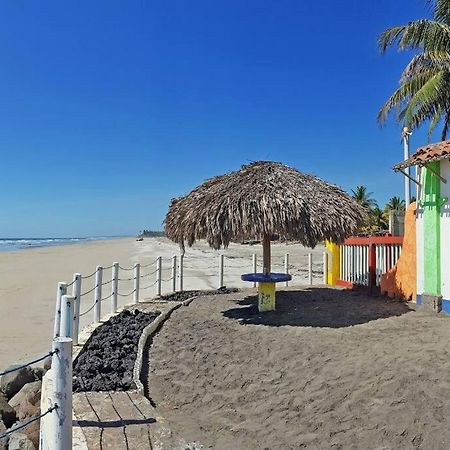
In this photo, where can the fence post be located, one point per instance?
(66, 316)
(158, 275)
(114, 286)
(181, 272)
(174, 273)
(61, 290)
(255, 266)
(76, 294)
(62, 393)
(310, 274)
(372, 266)
(286, 265)
(98, 294)
(220, 271)
(325, 268)
(137, 279)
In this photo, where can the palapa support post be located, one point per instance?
(325, 268)
(266, 290)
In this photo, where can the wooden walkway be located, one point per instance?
(120, 420)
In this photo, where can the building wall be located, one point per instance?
(419, 251)
(445, 231)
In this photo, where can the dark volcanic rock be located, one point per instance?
(182, 296)
(107, 360)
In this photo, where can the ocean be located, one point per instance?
(8, 244)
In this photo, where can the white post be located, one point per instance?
(286, 265)
(137, 278)
(114, 286)
(310, 274)
(76, 294)
(181, 272)
(158, 275)
(62, 394)
(325, 268)
(98, 294)
(174, 273)
(66, 316)
(255, 267)
(220, 271)
(61, 290)
(406, 134)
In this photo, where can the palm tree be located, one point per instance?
(363, 197)
(424, 92)
(378, 220)
(395, 204)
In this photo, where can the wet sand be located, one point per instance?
(328, 369)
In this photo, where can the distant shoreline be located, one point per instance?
(17, 244)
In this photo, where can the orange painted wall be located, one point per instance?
(400, 281)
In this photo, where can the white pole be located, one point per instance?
(325, 268)
(137, 277)
(310, 274)
(255, 266)
(98, 294)
(158, 275)
(220, 271)
(286, 265)
(114, 286)
(181, 272)
(66, 316)
(174, 273)
(76, 294)
(60, 291)
(62, 394)
(406, 134)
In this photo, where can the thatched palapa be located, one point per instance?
(262, 199)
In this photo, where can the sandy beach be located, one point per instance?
(328, 369)
(28, 281)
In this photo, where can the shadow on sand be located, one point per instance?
(318, 307)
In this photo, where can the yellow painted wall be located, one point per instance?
(333, 262)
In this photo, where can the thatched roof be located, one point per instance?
(263, 198)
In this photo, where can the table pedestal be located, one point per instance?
(266, 297)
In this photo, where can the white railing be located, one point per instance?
(364, 260)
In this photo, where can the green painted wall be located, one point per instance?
(432, 234)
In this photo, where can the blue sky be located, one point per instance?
(111, 108)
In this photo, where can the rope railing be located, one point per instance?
(89, 276)
(149, 286)
(126, 279)
(30, 363)
(148, 274)
(88, 310)
(126, 295)
(89, 291)
(126, 268)
(22, 425)
(143, 266)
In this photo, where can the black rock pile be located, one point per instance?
(107, 360)
(182, 296)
